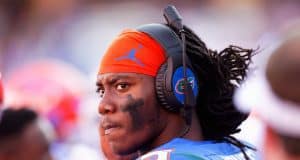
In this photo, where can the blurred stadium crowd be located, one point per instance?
(50, 49)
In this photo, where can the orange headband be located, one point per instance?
(133, 52)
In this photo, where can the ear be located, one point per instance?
(272, 147)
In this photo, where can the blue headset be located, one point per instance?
(176, 83)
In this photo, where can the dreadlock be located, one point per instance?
(219, 73)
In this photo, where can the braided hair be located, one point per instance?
(219, 73)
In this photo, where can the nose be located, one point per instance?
(106, 106)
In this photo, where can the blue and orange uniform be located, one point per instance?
(184, 149)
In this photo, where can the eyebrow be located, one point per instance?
(113, 79)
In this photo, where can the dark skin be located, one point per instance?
(31, 144)
(109, 154)
(132, 118)
(132, 108)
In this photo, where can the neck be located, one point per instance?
(176, 127)
(194, 132)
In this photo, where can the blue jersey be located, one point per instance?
(183, 149)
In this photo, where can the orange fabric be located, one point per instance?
(133, 52)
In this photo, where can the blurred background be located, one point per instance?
(50, 50)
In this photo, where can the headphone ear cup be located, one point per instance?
(161, 91)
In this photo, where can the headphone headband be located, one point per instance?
(165, 36)
(176, 83)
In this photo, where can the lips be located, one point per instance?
(109, 127)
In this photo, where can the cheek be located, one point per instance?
(141, 118)
(152, 109)
(142, 111)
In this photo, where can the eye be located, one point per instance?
(101, 92)
(122, 86)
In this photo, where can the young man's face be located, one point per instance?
(131, 115)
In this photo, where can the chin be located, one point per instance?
(122, 149)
